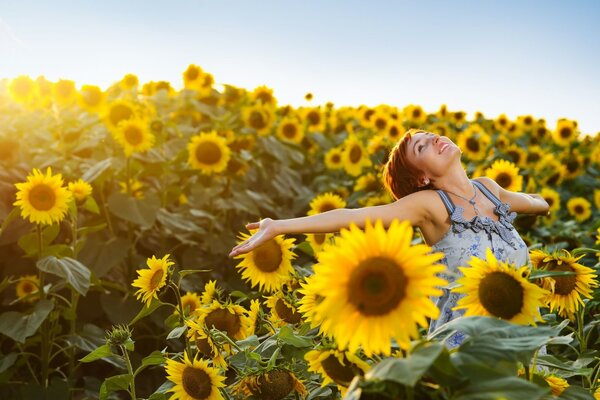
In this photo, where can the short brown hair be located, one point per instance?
(399, 177)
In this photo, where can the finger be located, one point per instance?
(252, 225)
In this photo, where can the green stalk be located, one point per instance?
(181, 316)
(44, 349)
(130, 371)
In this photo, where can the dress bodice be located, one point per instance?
(467, 238)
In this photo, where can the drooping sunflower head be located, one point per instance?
(580, 208)
(376, 286)
(335, 366)
(28, 288)
(150, 280)
(43, 199)
(207, 346)
(282, 309)
(194, 379)
(208, 152)
(269, 265)
(506, 174)
(274, 384)
(565, 292)
(325, 202)
(498, 289)
(80, 189)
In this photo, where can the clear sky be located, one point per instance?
(515, 57)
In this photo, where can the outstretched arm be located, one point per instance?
(411, 208)
(526, 203)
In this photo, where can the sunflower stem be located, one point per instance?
(73, 304)
(580, 326)
(44, 350)
(130, 371)
(175, 289)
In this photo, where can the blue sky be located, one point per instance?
(514, 57)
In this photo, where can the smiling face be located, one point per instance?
(432, 154)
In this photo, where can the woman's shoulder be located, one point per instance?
(490, 184)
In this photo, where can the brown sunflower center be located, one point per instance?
(257, 120)
(501, 295)
(533, 157)
(28, 287)
(416, 113)
(355, 154)
(133, 135)
(319, 238)
(503, 179)
(515, 156)
(188, 306)
(224, 320)
(156, 278)
(326, 206)
(274, 385)
(394, 132)
(564, 285)
(550, 201)
(473, 144)
(380, 123)
(314, 117)
(265, 97)
(42, 197)
(268, 256)
(205, 347)
(565, 133)
(196, 383)
(340, 374)
(208, 153)
(289, 131)
(376, 286)
(118, 113)
(528, 120)
(286, 313)
(336, 158)
(572, 166)
(192, 74)
(578, 209)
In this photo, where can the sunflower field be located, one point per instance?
(119, 208)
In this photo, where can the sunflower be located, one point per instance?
(134, 136)
(263, 95)
(194, 380)
(580, 208)
(317, 240)
(414, 114)
(129, 81)
(474, 142)
(533, 156)
(565, 291)
(42, 198)
(355, 156)
(211, 292)
(208, 152)
(28, 285)
(335, 366)
(565, 132)
(151, 280)
(597, 198)
(379, 121)
(506, 174)
(80, 189)
(290, 130)
(64, 92)
(118, 111)
(497, 289)
(333, 158)
(206, 345)
(375, 286)
(192, 77)
(516, 154)
(254, 316)
(368, 182)
(91, 98)
(314, 119)
(190, 302)
(552, 197)
(135, 188)
(229, 318)
(501, 123)
(526, 123)
(308, 301)
(282, 310)
(22, 89)
(325, 202)
(557, 384)
(259, 117)
(550, 170)
(274, 384)
(269, 265)
(376, 200)
(377, 143)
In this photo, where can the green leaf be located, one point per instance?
(407, 371)
(91, 205)
(147, 310)
(74, 272)
(177, 332)
(537, 274)
(113, 384)
(185, 272)
(154, 358)
(286, 335)
(14, 213)
(141, 212)
(96, 170)
(101, 352)
(7, 361)
(85, 230)
(507, 387)
(566, 367)
(20, 326)
(102, 255)
(250, 341)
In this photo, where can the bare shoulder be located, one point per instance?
(489, 183)
(428, 202)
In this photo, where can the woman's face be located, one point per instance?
(431, 153)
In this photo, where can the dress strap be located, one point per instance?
(487, 193)
(447, 202)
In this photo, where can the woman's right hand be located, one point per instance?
(266, 231)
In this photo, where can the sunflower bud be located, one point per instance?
(119, 335)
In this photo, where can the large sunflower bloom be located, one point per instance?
(497, 289)
(134, 136)
(580, 208)
(308, 302)
(208, 152)
(566, 292)
(376, 286)
(336, 366)
(230, 318)
(42, 198)
(269, 265)
(506, 174)
(64, 92)
(474, 142)
(151, 280)
(194, 380)
(325, 202)
(355, 156)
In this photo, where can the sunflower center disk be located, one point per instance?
(326, 207)
(208, 153)
(319, 238)
(376, 286)
(156, 278)
(205, 347)
(473, 144)
(355, 154)
(133, 135)
(196, 383)
(274, 386)
(501, 295)
(42, 197)
(267, 257)
(504, 179)
(340, 374)
(289, 131)
(224, 321)
(286, 313)
(564, 285)
(257, 120)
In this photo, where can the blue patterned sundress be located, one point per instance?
(465, 239)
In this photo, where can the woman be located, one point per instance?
(456, 215)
